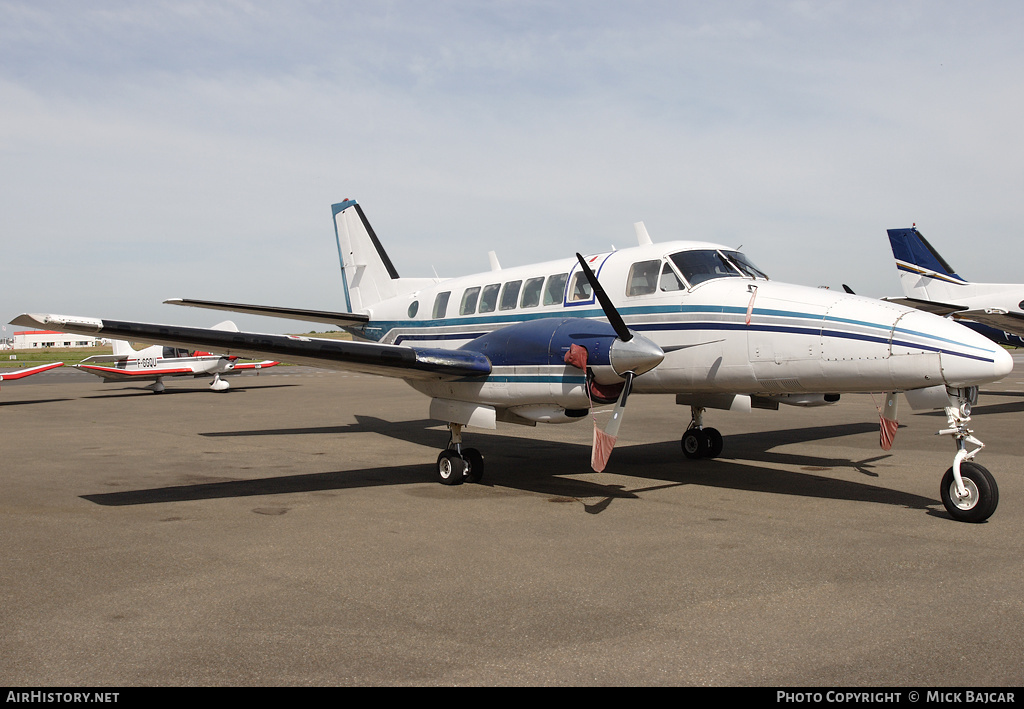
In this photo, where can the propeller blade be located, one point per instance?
(604, 441)
(610, 312)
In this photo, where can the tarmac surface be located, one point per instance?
(290, 532)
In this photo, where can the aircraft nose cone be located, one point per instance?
(638, 355)
(967, 357)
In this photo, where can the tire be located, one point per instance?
(983, 495)
(474, 465)
(694, 443)
(451, 469)
(715, 442)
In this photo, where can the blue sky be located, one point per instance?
(193, 149)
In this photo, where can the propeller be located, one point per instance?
(639, 356)
(614, 319)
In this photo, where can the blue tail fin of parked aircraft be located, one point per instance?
(929, 283)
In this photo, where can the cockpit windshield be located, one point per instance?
(744, 264)
(705, 264)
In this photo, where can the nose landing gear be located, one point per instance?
(968, 490)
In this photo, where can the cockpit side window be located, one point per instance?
(580, 288)
(643, 278)
(669, 280)
(703, 265)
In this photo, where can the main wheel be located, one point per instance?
(451, 469)
(474, 464)
(982, 493)
(694, 443)
(715, 442)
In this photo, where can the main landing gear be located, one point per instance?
(968, 490)
(700, 442)
(455, 464)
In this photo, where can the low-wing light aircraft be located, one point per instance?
(542, 343)
(28, 371)
(153, 363)
(929, 283)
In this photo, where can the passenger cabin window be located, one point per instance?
(510, 295)
(555, 289)
(441, 304)
(580, 288)
(531, 293)
(669, 280)
(643, 278)
(489, 298)
(469, 299)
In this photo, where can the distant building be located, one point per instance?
(30, 339)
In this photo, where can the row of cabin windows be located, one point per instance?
(645, 277)
(497, 296)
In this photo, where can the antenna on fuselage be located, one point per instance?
(642, 237)
(495, 266)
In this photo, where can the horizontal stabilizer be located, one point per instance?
(398, 361)
(323, 316)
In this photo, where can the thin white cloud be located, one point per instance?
(193, 149)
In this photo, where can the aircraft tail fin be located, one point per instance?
(924, 274)
(122, 347)
(368, 275)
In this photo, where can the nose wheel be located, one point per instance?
(968, 490)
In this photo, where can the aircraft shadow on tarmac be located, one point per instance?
(543, 467)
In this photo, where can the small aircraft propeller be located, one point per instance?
(614, 319)
(642, 355)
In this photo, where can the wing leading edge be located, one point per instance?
(324, 316)
(397, 361)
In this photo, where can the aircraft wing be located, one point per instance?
(398, 361)
(28, 371)
(929, 306)
(1007, 321)
(127, 375)
(255, 365)
(324, 316)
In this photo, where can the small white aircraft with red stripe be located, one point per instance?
(156, 362)
(28, 371)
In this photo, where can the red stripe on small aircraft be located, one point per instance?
(135, 373)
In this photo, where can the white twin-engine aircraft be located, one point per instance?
(542, 343)
(126, 364)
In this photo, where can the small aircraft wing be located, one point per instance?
(398, 361)
(324, 316)
(28, 371)
(265, 364)
(127, 375)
